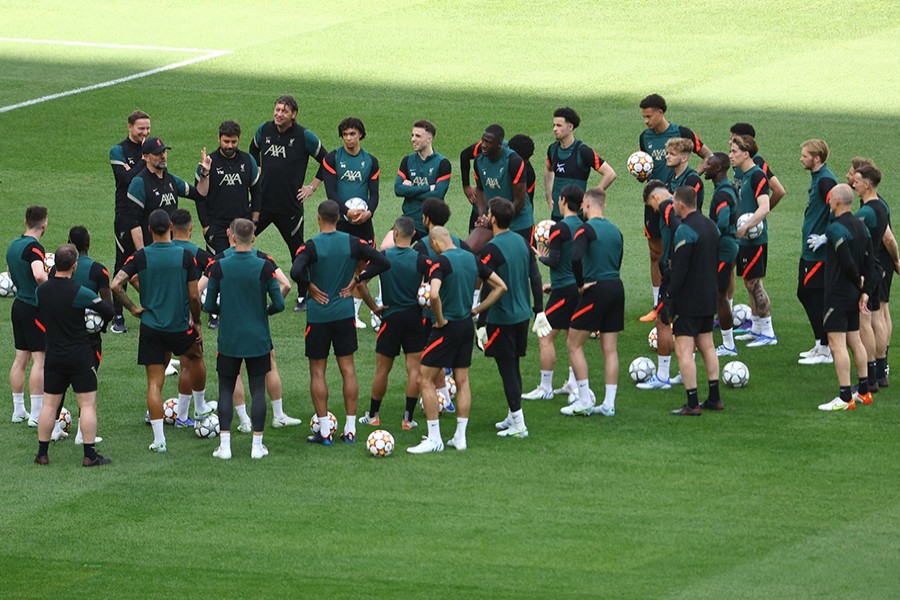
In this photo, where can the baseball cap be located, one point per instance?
(154, 145)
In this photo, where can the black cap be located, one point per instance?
(154, 145)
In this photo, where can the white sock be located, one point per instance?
(159, 436)
(547, 380)
(609, 400)
(37, 402)
(378, 297)
(655, 295)
(277, 410)
(242, 413)
(824, 350)
(571, 380)
(78, 435)
(225, 440)
(19, 404)
(765, 324)
(200, 405)
(257, 439)
(757, 325)
(662, 367)
(350, 425)
(356, 303)
(584, 391)
(182, 406)
(518, 418)
(728, 338)
(325, 426)
(461, 425)
(434, 431)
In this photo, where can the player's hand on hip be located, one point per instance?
(318, 295)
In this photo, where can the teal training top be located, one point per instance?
(23, 251)
(163, 271)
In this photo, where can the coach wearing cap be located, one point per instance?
(155, 187)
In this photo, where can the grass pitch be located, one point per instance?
(769, 499)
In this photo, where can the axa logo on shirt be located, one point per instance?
(659, 154)
(276, 150)
(492, 182)
(231, 179)
(560, 167)
(167, 199)
(349, 175)
(420, 181)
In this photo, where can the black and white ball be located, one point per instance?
(736, 374)
(92, 321)
(641, 369)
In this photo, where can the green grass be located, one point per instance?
(769, 499)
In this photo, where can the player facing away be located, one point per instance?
(500, 173)
(326, 265)
(70, 360)
(350, 172)
(723, 212)
(849, 266)
(563, 289)
(753, 255)
(570, 161)
(402, 323)
(282, 149)
(248, 293)
(691, 300)
(503, 328)
(653, 141)
(596, 261)
(126, 160)
(867, 178)
(811, 274)
(170, 317)
(658, 198)
(422, 174)
(678, 152)
(452, 280)
(25, 260)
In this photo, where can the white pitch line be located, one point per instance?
(97, 86)
(113, 46)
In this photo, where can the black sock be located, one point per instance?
(43, 447)
(863, 387)
(693, 401)
(410, 407)
(880, 364)
(870, 368)
(846, 393)
(714, 391)
(89, 452)
(374, 407)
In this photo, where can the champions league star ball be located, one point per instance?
(736, 374)
(640, 164)
(451, 385)
(64, 419)
(542, 232)
(423, 296)
(740, 313)
(380, 443)
(207, 427)
(356, 204)
(169, 412)
(49, 261)
(7, 287)
(442, 404)
(314, 422)
(92, 321)
(755, 231)
(652, 339)
(641, 369)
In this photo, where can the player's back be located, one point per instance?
(19, 256)
(163, 286)
(513, 306)
(604, 255)
(243, 300)
(458, 286)
(400, 283)
(331, 271)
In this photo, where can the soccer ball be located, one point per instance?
(736, 374)
(314, 422)
(49, 261)
(356, 204)
(442, 404)
(595, 334)
(640, 164)
(208, 427)
(423, 296)
(380, 443)
(740, 313)
(451, 385)
(542, 232)
(653, 339)
(7, 287)
(755, 231)
(169, 413)
(641, 369)
(203, 299)
(92, 321)
(64, 419)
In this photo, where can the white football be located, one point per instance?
(64, 419)
(314, 422)
(755, 231)
(49, 261)
(740, 313)
(356, 204)
(423, 296)
(169, 411)
(207, 427)
(542, 232)
(652, 339)
(736, 374)
(641, 369)
(380, 443)
(640, 165)
(92, 321)
(7, 287)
